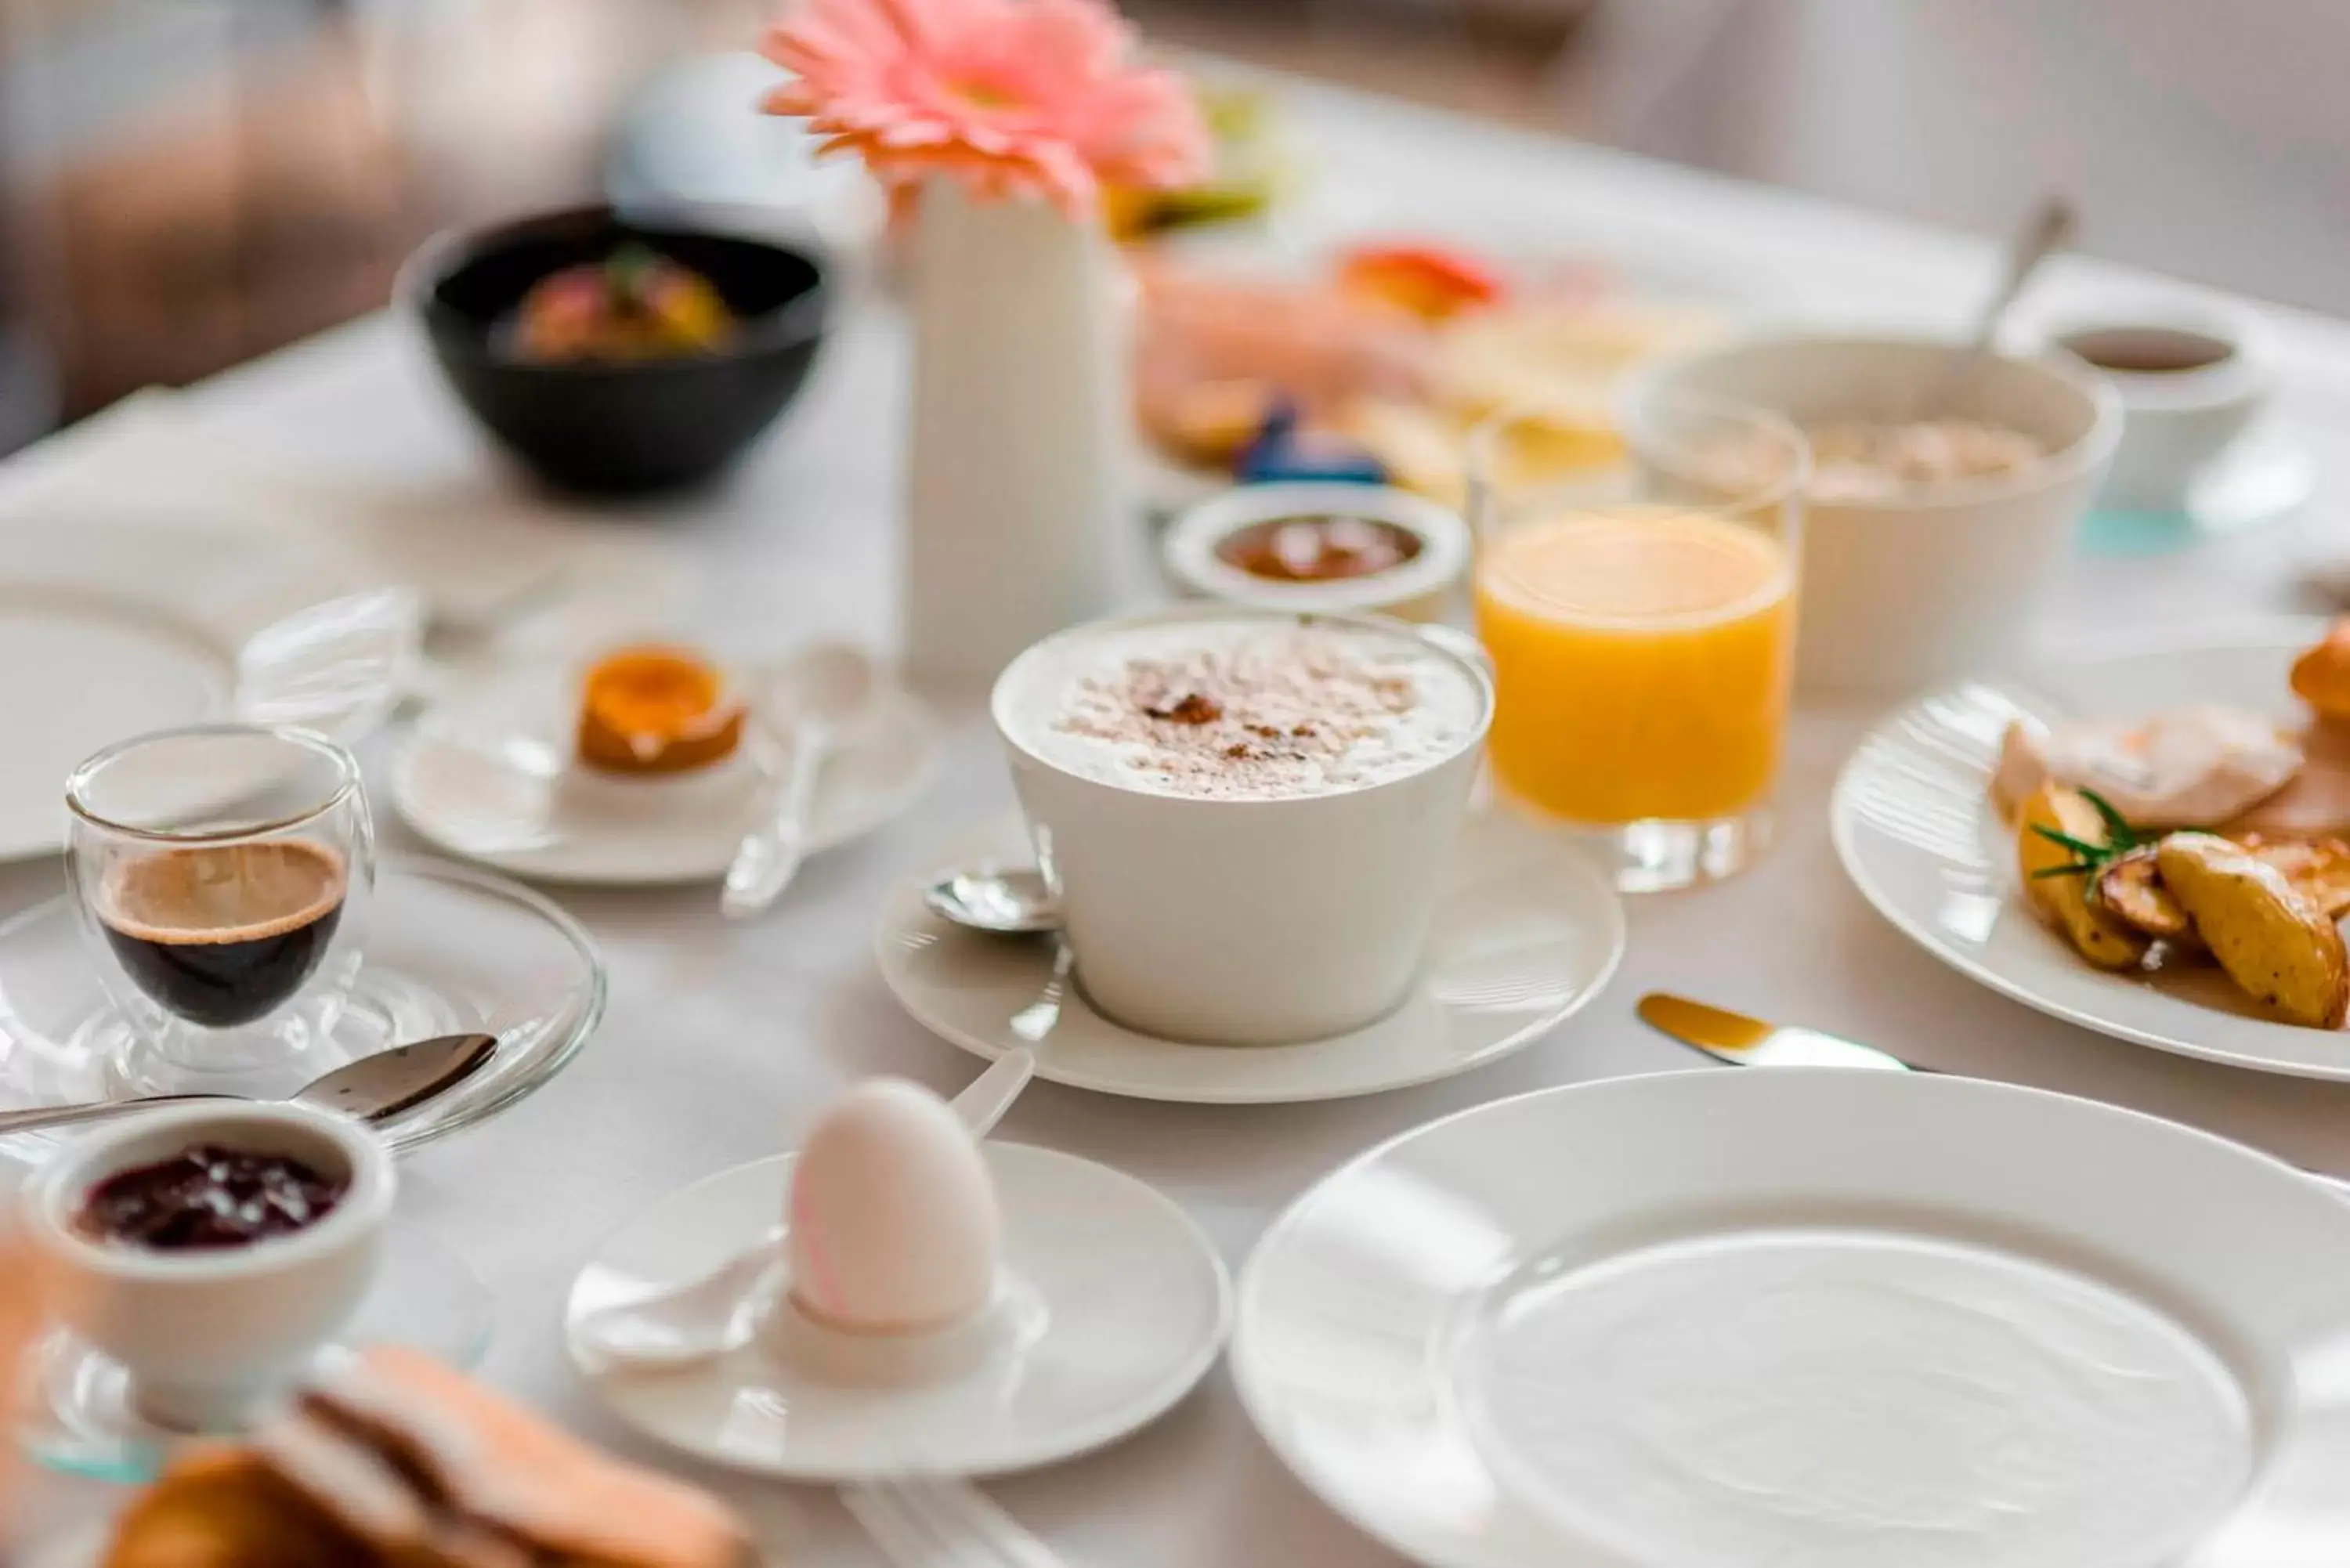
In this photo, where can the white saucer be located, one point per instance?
(1811, 1317)
(488, 774)
(112, 630)
(1122, 1306)
(1527, 931)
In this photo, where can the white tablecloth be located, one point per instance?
(721, 1040)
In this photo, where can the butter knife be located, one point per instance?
(1746, 1041)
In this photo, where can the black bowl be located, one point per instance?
(623, 428)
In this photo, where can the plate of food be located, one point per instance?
(2151, 840)
(1370, 362)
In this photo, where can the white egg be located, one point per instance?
(894, 1226)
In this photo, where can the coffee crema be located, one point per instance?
(222, 935)
(1244, 708)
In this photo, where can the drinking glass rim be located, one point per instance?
(346, 769)
(1629, 412)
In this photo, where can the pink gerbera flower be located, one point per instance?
(1015, 98)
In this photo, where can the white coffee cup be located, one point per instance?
(2190, 375)
(206, 1334)
(1244, 921)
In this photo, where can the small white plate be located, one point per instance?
(1817, 1317)
(1915, 827)
(1123, 1303)
(1527, 931)
(110, 629)
(490, 774)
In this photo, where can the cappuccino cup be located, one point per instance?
(1246, 812)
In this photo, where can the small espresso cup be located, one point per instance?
(1234, 918)
(2190, 377)
(223, 874)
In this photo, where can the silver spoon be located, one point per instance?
(1008, 901)
(1733, 1037)
(371, 1089)
(709, 1316)
(2048, 229)
(812, 701)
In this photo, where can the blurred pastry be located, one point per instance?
(655, 709)
(395, 1461)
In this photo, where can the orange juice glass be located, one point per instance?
(1641, 623)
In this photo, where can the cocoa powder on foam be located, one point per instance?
(1299, 711)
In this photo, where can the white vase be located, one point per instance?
(1019, 519)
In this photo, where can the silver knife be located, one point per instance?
(1733, 1037)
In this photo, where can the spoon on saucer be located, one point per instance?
(372, 1089)
(1008, 901)
(706, 1317)
(812, 700)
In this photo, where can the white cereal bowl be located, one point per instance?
(1902, 592)
(206, 1334)
(1421, 589)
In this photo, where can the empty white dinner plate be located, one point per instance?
(1119, 1305)
(1815, 1316)
(490, 773)
(1527, 931)
(110, 629)
(1915, 827)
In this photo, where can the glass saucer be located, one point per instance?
(449, 950)
(79, 1419)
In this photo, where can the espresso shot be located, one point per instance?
(222, 935)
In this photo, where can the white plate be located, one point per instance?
(490, 774)
(1526, 932)
(1812, 1316)
(110, 629)
(1913, 823)
(1124, 1306)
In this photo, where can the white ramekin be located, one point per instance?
(1424, 589)
(206, 1334)
(1246, 922)
(1899, 593)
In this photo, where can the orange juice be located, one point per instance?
(1642, 662)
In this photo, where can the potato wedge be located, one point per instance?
(2131, 889)
(2318, 868)
(2063, 898)
(2264, 934)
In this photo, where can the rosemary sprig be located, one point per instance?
(2088, 858)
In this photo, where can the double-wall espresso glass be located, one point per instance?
(223, 874)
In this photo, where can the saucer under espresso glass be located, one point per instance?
(224, 875)
(1640, 617)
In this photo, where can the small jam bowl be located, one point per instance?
(206, 1334)
(2191, 376)
(1423, 588)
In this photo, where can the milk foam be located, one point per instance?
(1240, 707)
